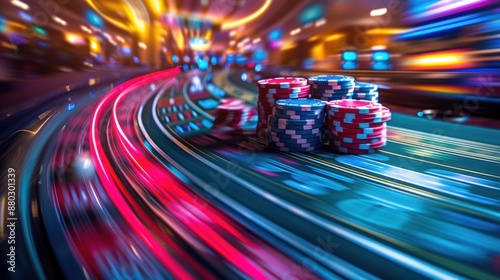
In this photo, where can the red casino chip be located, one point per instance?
(356, 125)
(235, 115)
(277, 96)
(353, 106)
(292, 89)
(274, 89)
(380, 134)
(231, 101)
(384, 118)
(358, 141)
(383, 112)
(357, 130)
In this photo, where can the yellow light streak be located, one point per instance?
(34, 132)
(385, 31)
(208, 35)
(107, 18)
(313, 38)
(334, 37)
(157, 5)
(288, 46)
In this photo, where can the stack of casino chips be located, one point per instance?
(296, 125)
(270, 90)
(233, 116)
(366, 91)
(357, 126)
(331, 87)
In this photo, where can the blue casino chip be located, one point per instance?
(295, 131)
(333, 87)
(319, 96)
(296, 125)
(303, 105)
(315, 91)
(298, 136)
(330, 79)
(366, 90)
(285, 121)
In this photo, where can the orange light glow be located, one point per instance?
(334, 37)
(386, 31)
(95, 45)
(440, 89)
(454, 59)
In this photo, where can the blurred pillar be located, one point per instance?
(145, 35)
(150, 36)
(155, 42)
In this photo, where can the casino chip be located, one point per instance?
(331, 87)
(235, 117)
(365, 91)
(356, 126)
(330, 79)
(301, 105)
(302, 134)
(273, 89)
(282, 82)
(357, 107)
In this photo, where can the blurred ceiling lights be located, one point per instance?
(295, 31)
(20, 4)
(86, 29)
(59, 20)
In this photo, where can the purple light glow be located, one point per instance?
(444, 8)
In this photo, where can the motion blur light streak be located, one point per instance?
(131, 127)
(444, 7)
(452, 59)
(38, 129)
(167, 189)
(111, 181)
(20, 4)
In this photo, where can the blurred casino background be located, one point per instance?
(436, 53)
(121, 176)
